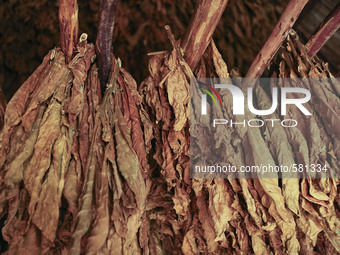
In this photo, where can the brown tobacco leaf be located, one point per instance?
(19, 104)
(317, 195)
(327, 104)
(165, 106)
(88, 157)
(134, 187)
(38, 113)
(272, 191)
(20, 117)
(164, 91)
(113, 172)
(62, 145)
(132, 99)
(85, 212)
(100, 226)
(31, 112)
(281, 150)
(178, 96)
(45, 194)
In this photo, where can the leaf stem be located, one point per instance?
(68, 19)
(107, 15)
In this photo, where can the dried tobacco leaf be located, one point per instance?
(282, 152)
(73, 164)
(317, 195)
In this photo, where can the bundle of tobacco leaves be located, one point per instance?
(72, 163)
(236, 215)
(214, 215)
(315, 140)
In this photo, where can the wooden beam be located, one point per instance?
(275, 40)
(328, 27)
(201, 28)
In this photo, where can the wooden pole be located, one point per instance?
(107, 15)
(278, 35)
(68, 19)
(328, 27)
(201, 28)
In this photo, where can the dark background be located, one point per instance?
(29, 29)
